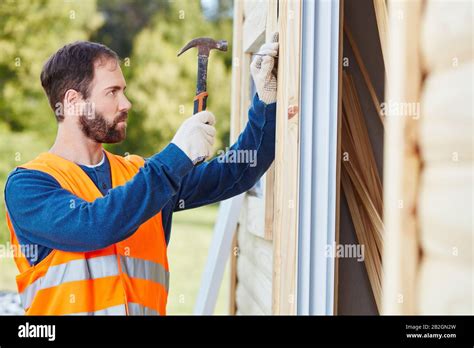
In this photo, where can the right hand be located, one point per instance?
(196, 138)
(264, 72)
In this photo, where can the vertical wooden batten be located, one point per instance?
(272, 26)
(381, 14)
(253, 258)
(285, 220)
(236, 111)
(401, 160)
(237, 60)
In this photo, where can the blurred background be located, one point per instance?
(146, 34)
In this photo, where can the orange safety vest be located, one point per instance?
(127, 278)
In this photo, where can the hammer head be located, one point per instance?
(204, 46)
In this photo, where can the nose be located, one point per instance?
(125, 104)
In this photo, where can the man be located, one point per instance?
(101, 222)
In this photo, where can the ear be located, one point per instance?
(71, 98)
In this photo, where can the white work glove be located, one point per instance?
(263, 73)
(196, 138)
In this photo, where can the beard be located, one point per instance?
(100, 130)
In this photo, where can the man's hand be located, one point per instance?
(196, 138)
(263, 72)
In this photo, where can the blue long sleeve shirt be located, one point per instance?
(45, 215)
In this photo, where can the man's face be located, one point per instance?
(108, 122)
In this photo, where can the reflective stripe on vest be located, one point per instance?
(114, 310)
(147, 270)
(81, 269)
(133, 309)
(94, 268)
(138, 309)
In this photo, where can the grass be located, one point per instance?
(8, 273)
(188, 248)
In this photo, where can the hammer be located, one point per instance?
(204, 46)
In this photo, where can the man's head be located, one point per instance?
(85, 87)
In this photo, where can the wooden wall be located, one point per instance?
(428, 256)
(427, 161)
(264, 264)
(445, 201)
(252, 263)
(254, 268)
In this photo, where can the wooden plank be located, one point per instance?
(445, 283)
(447, 34)
(245, 97)
(446, 125)
(237, 70)
(233, 274)
(256, 216)
(254, 24)
(261, 224)
(252, 29)
(401, 161)
(445, 287)
(363, 238)
(446, 204)
(272, 19)
(381, 16)
(365, 73)
(254, 17)
(258, 250)
(236, 111)
(286, 161)
(246, 303)
(269, 202)
(255, 281)
(362, 185)
(271, 27)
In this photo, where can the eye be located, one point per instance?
(112, 92)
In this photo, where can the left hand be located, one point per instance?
(263, 72)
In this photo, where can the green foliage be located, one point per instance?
(31, 32)
(162, 86)
(125, 18)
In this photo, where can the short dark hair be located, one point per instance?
(72, 67)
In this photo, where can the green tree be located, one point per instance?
(162, 86)
(31, 32)
(124, 19)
